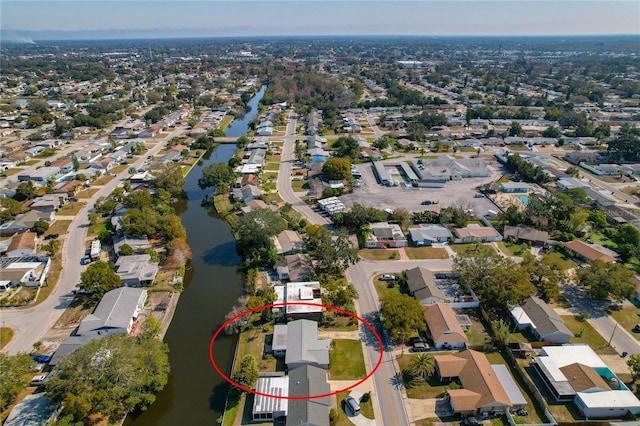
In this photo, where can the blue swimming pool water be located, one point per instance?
(524, 199)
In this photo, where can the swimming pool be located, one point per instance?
(524, 199)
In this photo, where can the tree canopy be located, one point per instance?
(604, 280)
(215, 174)
(333, 252)
(99, 278)
(111, 376)
(497, 281)
(169, 177)
(14, 376)
(255, 231)
(337, 168)
(402, 315)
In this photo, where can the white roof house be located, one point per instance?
(576, 372)
(136, 270)
(115, 313)
(303, 292)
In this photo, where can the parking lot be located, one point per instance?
(370, 193)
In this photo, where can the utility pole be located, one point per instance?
(612, 333)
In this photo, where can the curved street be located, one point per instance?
(31, 324)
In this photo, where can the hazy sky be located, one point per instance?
(267, 17)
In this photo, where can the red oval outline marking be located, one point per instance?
(283, 304)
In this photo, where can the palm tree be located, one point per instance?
(422, 365)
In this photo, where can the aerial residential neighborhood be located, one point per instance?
(435, 231)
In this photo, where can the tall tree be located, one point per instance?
(215, 174)
(402, 315)
(546, 274)
(169, 177)
(99, 278)
(422, 365)
(247, 372)
(255, 231)
(604, 280)
(14, 376)
(337, 168)
(110, 377)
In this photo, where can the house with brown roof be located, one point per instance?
(444, 328)
(289, 242)
(69, 188)
(483, 389)
(525, 233)
(589, 252)
(23, 245)
(249, 179)
(294, 267)
(474, 233)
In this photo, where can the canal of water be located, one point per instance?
(196, 394)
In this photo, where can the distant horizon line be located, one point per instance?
(28, 36)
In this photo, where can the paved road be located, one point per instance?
(31, 324)
(387, 381)
(283, 184)
(621, 339)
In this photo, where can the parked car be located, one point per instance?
(51, 236)
(472, 421)
(387, 277)
(637, 328)
(41, 358)
(39, 379)
(418, 339)
(420, 347)
(429, 202)
(353, 405)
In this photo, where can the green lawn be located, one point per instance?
(59, 227)
(416, 253)
(511, 249)
(504, 179)
(346, 361)
(383, 288)
(97, 227)
(70, 209)
(6, 334)
(103, 180)
(87, 193)
(419, 389)
(627, 317)
(299, 185)
(13, 171)
(469, 250)
(269, 175)
(379, 254)
(271, 166)
(587, 334)
(366, 409)
(566, 262)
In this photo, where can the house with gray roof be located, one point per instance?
(303, 382)
(140, 243)
(384, 234)
(302, 346)
(422, 286)
(136, 270)
(542, 320)
(115, 313)
(428, 234)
